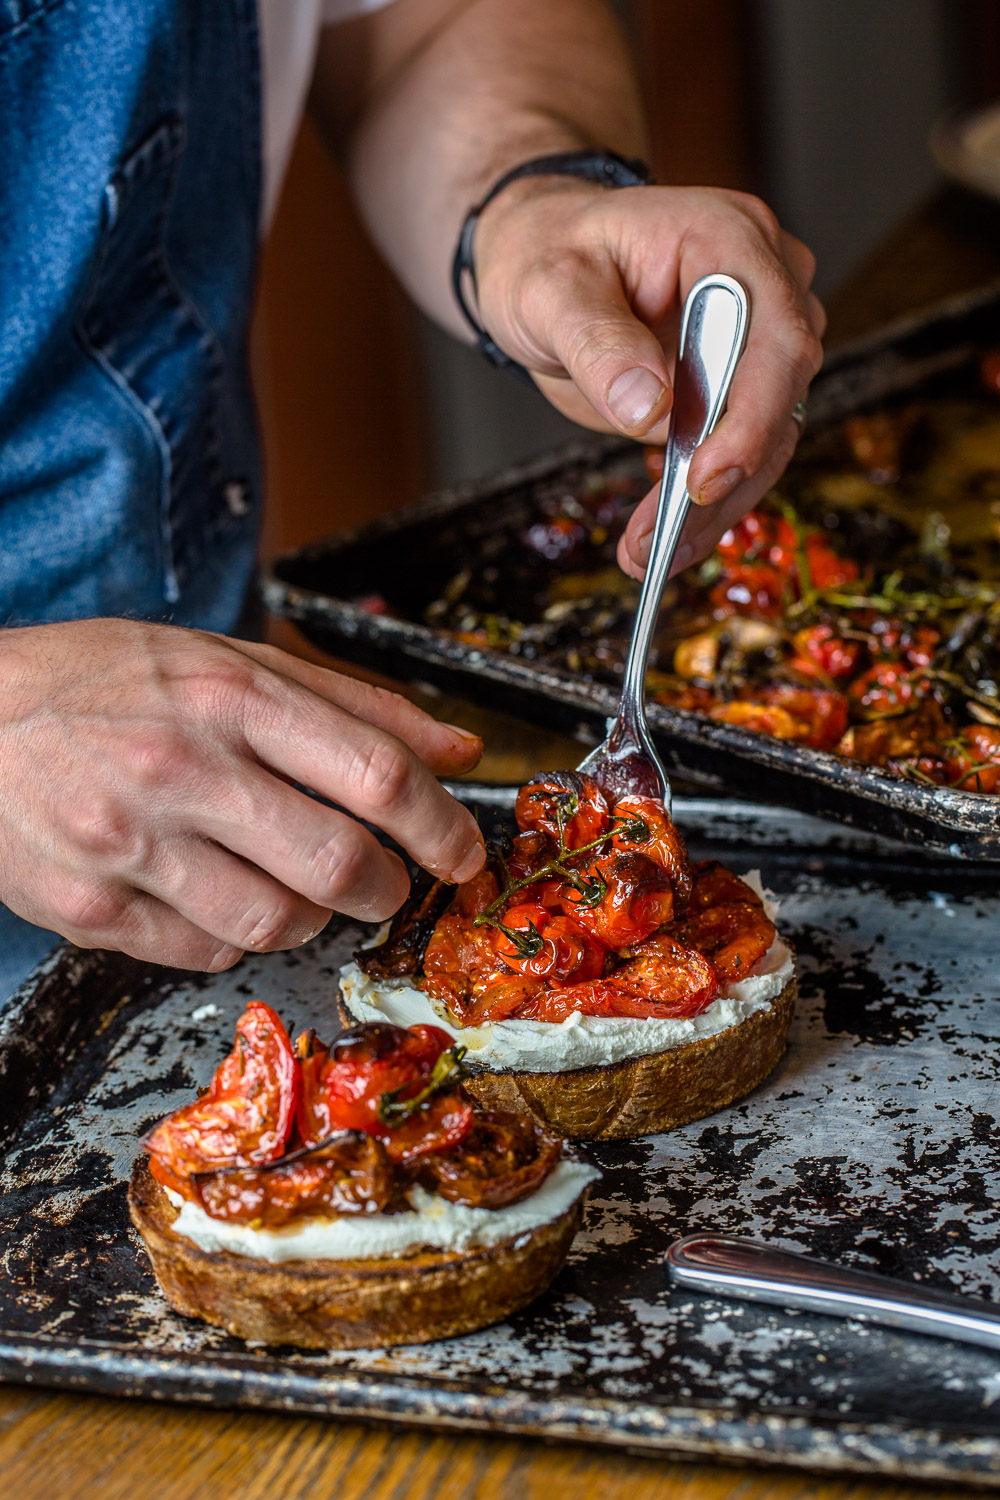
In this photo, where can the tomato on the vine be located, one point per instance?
(569, 804)
(885, 689)
(626, 897)
(641, 826)
(535, 942)
(372, 1072)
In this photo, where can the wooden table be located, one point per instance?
(95, 1448)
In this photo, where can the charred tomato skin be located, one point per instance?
(246, 1114)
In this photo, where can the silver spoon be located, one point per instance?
(712, 334)
(754, 1272)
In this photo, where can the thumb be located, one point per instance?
(613, 359)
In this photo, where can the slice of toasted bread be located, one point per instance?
(647, 1094)
(347, 1304)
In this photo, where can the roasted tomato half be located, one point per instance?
(566, 805)
(621, 898)
(664, 979)
(545, 945)
(733, 936)
(503, 1158)
(642, 826)
(243, 1118)
(374, 1079)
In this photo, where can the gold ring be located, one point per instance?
(799, 416)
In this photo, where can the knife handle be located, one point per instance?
(754, 1272)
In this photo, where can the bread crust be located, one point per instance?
(644, 1095)
(347, 1304)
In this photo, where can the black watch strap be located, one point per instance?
(604, 167)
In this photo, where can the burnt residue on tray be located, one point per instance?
(875, 1143)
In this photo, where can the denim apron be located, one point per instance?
(129, 203)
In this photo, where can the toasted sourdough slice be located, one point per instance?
(347, 1304)
(646, 1094)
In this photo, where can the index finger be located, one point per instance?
(783, 353)
(363, 769)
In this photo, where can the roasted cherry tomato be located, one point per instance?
(503, 1158)
(534, 942)
(621, 898)
(977, 769)
(919, 650)
(714, 884)
(827, 570)
(565, 803)
(641, 825)
(733, 936)
(835, 657)
(367, 1077)
(668, 975)
(451, 959)
(754, 588)
(349, 1176)
(761, 717)
(244, 1117)
(884, 690)
(665, 980)
(497, 997)
(810, 716)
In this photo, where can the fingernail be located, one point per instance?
(717, 486)
(640, 551)
(634, 395)
(471, 864)
(463, 734)
(683, 557)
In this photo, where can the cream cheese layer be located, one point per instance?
(433, 1223)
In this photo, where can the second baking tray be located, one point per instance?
(411, 554)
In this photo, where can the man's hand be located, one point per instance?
(147, 800)
(432, 101)
(585, 286)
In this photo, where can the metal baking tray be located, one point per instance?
(403, 554)
(876, 1142)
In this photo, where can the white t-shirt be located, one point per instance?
(289, 33)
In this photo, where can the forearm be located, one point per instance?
(453, 95)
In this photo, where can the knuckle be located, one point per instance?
(227, 688)
(102, 829)
(803, 350)
(156, 758)
(761, 214)
(95, 910)
(385, 775)
(337, 867)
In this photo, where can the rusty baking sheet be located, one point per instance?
(411, 554)
(876, 1143)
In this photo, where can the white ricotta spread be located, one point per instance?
(434, 1222)
(580, 1041)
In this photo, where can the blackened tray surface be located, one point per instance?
(876, 1142)
(411, 554)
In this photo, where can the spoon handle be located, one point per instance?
(712, 335)
(754, 1272)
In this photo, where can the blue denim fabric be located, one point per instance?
(129, 202)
